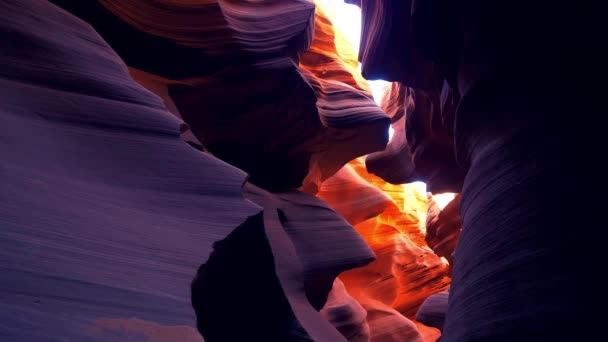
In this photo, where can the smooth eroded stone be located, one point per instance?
(443, 227)
(382, 24)
(433, 310)
(395, 164)
(105, 212)
(355, 125)
(255, 86)
(388, 325)
(406, 271)
(353, 197)
(325, 243)
(346, 314)
(224, 311)
(284, 261)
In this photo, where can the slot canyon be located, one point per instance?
(299, 170)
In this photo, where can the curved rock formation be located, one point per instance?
(355, 124)
(106, 212)
(296, 248)
(346, 314)
(422, 148)
(125, 210)
(433, 310)
(353, 197)
(394, 164)
(406, 271)
(324, 242)
(443, 227)
(387, 324)
(382, 24)
(249, 103)
(430, 137)
(421, 88)
(509, 135)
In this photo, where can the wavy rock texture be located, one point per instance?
(125, 210)
(295, 251)
(106, 212)
(387, 324)
(355, 124)
(325, 243)
(353, 197)
(234, 79)
(346, 314)
(382, 24)
(429, 130)
(509, 134)
(422, 148)
(406, 271)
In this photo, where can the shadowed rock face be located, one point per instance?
(346, 314)
(431, 141)
(216, 293)
(394, 164)
(380, 26)
(422, 148)
(106, 212)
(282, 104)
(295, 250)
(433, 309)
(443, 227)
(507, 134)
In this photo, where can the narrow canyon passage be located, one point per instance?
(289, 170)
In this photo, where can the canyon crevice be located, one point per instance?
(175, 169)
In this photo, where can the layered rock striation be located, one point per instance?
(274, 98)
(487, 79)
(126, 209)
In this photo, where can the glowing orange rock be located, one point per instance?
(353, 197)
(406, 270)
(355, 125)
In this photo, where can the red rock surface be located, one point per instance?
(346, 314)
(405, 271)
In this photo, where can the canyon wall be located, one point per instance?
(215, 161)
(491, 76)
(221, 164)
